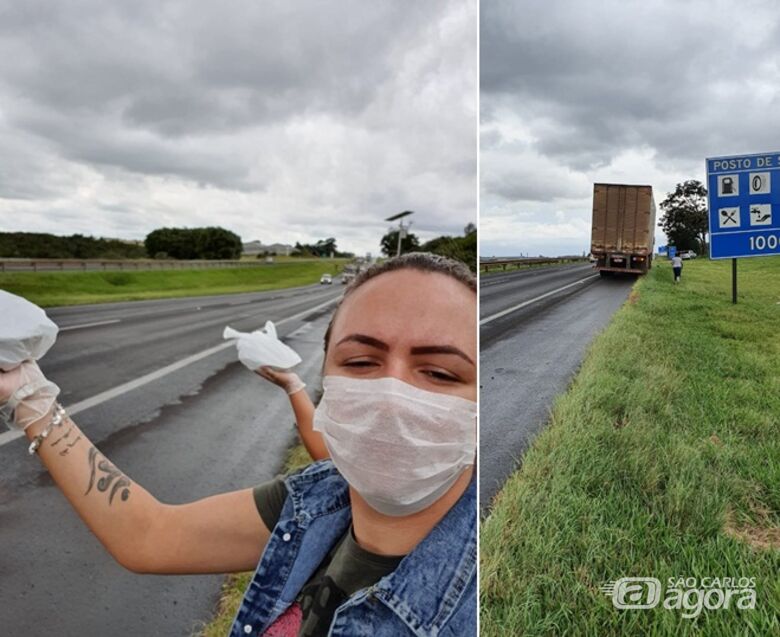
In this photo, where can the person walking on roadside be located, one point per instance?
(677, 267)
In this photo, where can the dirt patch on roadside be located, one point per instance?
(759, 536)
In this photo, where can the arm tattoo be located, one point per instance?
(65, 435)
(98, 463)
(64, 452)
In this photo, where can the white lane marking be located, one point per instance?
(519, 306)
(129, 386)
(8, 436)
(78, 327)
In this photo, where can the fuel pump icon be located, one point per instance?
(727, 186)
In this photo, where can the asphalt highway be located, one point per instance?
(158, 392)
(535, 326)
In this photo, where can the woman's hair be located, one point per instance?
(421, 261)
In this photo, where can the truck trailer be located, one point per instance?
(623, 230)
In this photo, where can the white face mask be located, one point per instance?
(401, 448)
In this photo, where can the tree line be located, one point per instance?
(163, 243)
(40, 245)
(462, 248)
(322, 248)
(211, 243)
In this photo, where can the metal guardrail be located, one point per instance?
(100, 265)
(485, 266)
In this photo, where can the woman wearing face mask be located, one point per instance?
(378, 540)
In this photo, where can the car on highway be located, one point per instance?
(346, 278)
(326, 279)
(687, 254)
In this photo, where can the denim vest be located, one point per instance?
(433, 591)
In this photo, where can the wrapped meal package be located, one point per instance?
(262, 348)
(26, 333)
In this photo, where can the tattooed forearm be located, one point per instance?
(112, 475)
(68, 446)
(65, 435)
(91, 460)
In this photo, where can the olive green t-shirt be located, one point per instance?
(346, 569)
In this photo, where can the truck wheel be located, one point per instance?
(605, 274)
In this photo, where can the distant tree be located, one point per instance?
(389, 243)
(470, 228)
(217, 243)
(298, 250)
(194, 243)
(685, 220)
(460, 248)
(176, 243)
(326, 247)
(322, 248)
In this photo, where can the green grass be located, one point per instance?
(483, 271)
(661, 460)
(234, 585)
(48, 289)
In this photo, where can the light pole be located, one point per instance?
(401, 227)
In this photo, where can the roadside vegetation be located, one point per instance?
(487, 268)
(41, 245)
(462, 248)
(49, 289)
(661, 460)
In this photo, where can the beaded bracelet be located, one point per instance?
(56, 421)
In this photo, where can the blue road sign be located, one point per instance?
(744, 205)
(671, 252)
(661, 249)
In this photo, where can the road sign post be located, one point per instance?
(744, 208)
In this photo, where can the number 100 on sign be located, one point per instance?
(761, 242)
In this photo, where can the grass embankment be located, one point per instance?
(486, 270)
(661, 460)
(235, 585)
(48, 289)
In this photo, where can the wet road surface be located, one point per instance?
(528, 355)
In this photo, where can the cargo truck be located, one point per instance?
(623, 229)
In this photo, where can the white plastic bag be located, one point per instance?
(26, 333)
(262, 348)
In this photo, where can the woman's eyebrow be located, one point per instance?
(366, 340)
(441, 349)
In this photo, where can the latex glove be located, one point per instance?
(262, 348)
(288, 381)
(25, 395)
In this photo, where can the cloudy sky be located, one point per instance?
(621, 91)
(282, 121)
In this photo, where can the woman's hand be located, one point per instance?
(288, 381)
(26, 395)
(302, 408)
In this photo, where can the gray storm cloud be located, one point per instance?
(573, 93)
(283, 121)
